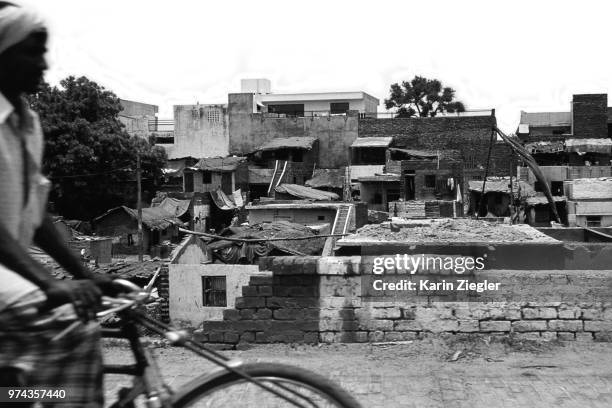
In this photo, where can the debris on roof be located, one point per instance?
(330, 178)
(541, 199)
(306, 193)
(304, 143)
(502, 185)
(546, 118)
(589, 145)
(378, 141)
(553, 146)
(445, 230)
(241, 252)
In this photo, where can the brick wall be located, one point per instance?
(589, 116)
(318, 299)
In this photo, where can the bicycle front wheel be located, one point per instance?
(304, 388)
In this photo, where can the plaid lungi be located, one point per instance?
(72, 363)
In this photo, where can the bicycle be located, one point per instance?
(283, 385)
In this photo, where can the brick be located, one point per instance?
(326, 337)
(565, 336)
(231, 314)
(311, 337)
(495, 326)
(264, 290)
(572, 313)
(247, 314)
(407, 325)
(565, 325)
(249, 291)
(249, 302)
(584, 337)
(288, 314)
(539, 313)
(386, 313)
(376, 336)
(468, 326)
(276, 302)
(529, 325)
(216, 336)
(261, 280)
(597, 325)
(231, 337)
(262, 314)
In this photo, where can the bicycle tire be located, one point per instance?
(206, 387)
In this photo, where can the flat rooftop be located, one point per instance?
(447, 231)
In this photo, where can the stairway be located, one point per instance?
(280, 167)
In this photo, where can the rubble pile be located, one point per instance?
(448, 230)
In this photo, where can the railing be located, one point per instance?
(161, 125)
(308, 114)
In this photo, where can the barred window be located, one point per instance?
(214, 116)
(214, 291)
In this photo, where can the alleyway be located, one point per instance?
(487, 373)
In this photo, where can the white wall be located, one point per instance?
(185, 288)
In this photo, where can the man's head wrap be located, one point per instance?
(16, 24)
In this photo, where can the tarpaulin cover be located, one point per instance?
(589, 145)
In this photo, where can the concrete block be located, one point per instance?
(597, 325)
(376, 336)
(529, 325)
(584, 337)
(326, 337)
(539, 313)
(386, 313)
(565, 325)
(262, 314)
(565, 336)
(407, 325)
(245, 314)
(495, 326)
(249, 302)
(231, 314)
(468, 326)
(288, 314)
(528, 336)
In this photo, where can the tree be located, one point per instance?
(89, 156)
(423, 97)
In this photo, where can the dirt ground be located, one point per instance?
(434, 372)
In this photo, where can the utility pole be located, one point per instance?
(139, 206)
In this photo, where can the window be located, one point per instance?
(296, 109)
(556, 188)
(499, 199)
(213, 291)
(377, 198)
(393, 195)
(430, 181)
(206, 177)
(320, 218)
(298, 156)
(593, 221)
(214, 116)
(338, 107)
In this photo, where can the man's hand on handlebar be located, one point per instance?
(84, 294)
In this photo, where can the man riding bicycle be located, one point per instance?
(34, 306)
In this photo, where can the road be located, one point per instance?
(434, 372)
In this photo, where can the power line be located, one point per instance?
(91, 174)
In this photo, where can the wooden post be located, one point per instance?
(139, 207)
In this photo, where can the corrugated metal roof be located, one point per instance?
(417, 153)
(535, 119)
(383, 178)
(332, 178)
(382, 141)
(219, 164)
(306, 192)
(288, 143)
(155, 218)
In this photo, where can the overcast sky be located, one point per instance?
(508, 55)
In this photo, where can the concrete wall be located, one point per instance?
(185, 290)
(305, 216)
(200, 131)
(323, 105)
(590, 116)
(250, 130)
(589, 189)
(368, 191)
(470, 135)
(311, 299)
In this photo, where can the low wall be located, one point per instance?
(321, 299)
